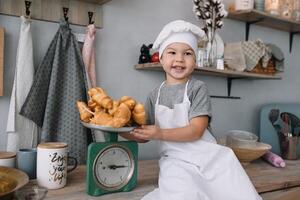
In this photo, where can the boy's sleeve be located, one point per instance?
(149, 108)
(200, 102)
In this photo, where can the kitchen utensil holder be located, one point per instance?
(288, 145)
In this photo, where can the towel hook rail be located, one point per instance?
(27, 6)
(65, 10)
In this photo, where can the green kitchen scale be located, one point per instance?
(112, 164)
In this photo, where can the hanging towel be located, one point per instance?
(58, 83)
(22, 132)
(88, 54)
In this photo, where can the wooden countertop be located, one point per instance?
(265, 178)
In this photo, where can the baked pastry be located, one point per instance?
(119, 119)
(129, 101)
(139, 114)
(103, 110)
(114, 108)
(85, 112)
(103, 100)
(102, 119)
(95, 90)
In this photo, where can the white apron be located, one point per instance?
(199, 170)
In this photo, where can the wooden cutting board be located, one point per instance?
(1, 59)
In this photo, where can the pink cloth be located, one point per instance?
(88, 55)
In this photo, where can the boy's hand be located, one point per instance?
(148, 132)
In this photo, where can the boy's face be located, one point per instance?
(178, 61)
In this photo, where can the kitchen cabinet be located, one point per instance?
(264, 19)
(228, 74)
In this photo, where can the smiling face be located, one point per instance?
(178, 61)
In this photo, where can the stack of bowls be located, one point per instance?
(245, 146)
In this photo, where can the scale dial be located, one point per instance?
(113, 167)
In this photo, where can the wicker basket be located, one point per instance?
(270, 69)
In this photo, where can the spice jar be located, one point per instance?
(272, 7)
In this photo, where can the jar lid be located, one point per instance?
(52, 145)
(7, 154)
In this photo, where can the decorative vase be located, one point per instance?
(211, 50)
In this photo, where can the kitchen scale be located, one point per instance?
(112, 164)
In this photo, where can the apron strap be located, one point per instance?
(158, 94)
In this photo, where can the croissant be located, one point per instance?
(122, 115)
(103, 119)
(103, 110)
(103, 100)
(139, 114)
(92, 105)
(130, 102)
(95, 90)
(120, 118)
(114, 108)
(84, 111)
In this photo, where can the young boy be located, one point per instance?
(192, 165)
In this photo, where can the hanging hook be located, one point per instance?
(65, 10)
(90, 17)
(27, 6)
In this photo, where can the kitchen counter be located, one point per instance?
(273, 183)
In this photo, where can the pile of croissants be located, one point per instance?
(103, 110)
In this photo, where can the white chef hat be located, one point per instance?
(178, 31)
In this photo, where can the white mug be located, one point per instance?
(7, 159)
(52, 165)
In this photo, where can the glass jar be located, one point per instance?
(296, 10)
(272, 7)
(287, 9)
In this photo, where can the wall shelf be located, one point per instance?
(264, 19)
(229, 74)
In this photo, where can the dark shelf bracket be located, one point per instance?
(248, 26)
(292, 38)
(229, 82)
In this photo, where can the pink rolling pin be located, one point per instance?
(274, 159)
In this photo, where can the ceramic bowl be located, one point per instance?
(31, 192)
(239, 138)
(248, 154)
(11, 180)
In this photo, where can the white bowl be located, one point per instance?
(239, 138)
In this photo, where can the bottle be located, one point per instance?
(274, 159)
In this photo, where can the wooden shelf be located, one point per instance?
(229, 74)
(265, 19)
(213, 72)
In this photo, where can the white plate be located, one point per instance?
(107, 128)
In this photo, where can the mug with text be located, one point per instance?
(52, 164)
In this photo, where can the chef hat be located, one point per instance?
(178, 31)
